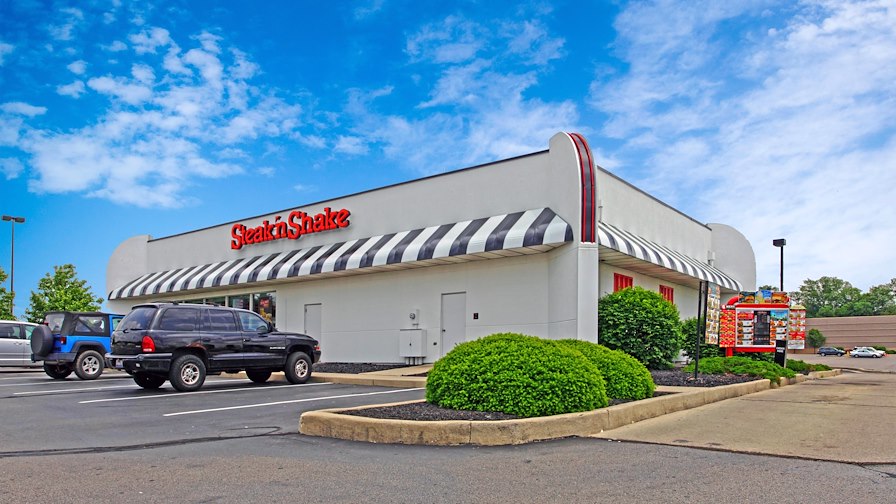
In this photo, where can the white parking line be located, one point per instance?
(72, 390)
(181, 394)
(66, 391)
(289, 402)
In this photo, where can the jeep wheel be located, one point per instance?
(258, 375)
(89, 365)
(57, 371)
(41, 341)
(149, 381)
(187, 373)
(298, 367)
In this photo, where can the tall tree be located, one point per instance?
(829, 297)
(5, 299)
(882, 298)
(61, 291)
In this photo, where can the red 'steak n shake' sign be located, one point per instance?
(296, 224)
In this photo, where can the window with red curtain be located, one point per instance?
(668, 293)
(621, 282)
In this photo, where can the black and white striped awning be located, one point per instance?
(520, 233)
(629, 251)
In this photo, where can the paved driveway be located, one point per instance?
(847, 418)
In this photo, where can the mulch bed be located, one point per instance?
(424, 411)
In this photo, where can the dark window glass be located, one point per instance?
(179, 319)
(139, 319)
(221, 320)
(10, 331)
(89, 324)
(251, 322)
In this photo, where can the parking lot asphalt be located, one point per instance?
(41, 415)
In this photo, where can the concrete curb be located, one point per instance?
(330, 423)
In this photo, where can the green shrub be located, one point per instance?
(625, 376)
(798, 366)
(757, 356)
(742, 366)
(516, 374)
(890, 351)
(689, 341)
(880, 347)
(642, 324)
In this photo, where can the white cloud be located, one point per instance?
(120, 88)
(478, 109)
(10, 167)
(165, 128)
(149, 40)
(63, 32)
(77, 67)
(24, 109)
(372, 7)
(351, 145)
(117, 46)
(75, 89)
(4, 50)
(454, 40)
(780, 125)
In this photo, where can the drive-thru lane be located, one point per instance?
(112, 412)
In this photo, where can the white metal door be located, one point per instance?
(312, 320)
(454, 321)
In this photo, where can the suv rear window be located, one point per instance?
(139, 319)
(54, 321)
(179, 319)
(90, 325)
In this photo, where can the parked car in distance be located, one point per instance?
(183, 342)
(73, 341)
(872, 349)
(866, 352)
(15, 343)
(830, 351)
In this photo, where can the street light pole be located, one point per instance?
(780, 242)
(12, 261)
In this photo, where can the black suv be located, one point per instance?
(830, 351)
(183, 342)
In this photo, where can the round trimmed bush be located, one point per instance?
(625, 376)
(642, 324)
(516, 374)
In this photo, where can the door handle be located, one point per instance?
(247, 339)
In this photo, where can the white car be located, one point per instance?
(866, 352)
(15, 343)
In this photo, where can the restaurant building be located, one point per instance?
(403, 273)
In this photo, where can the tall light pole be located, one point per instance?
(12, 261)
(780, 242)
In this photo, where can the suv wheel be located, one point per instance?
(57, 371)
(187, 373)
(149, 381)
(258, 375)
(298, 367)
(89, 365)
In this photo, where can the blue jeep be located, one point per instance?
(73, 341)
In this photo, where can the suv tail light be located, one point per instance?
(62, 339)
(148, 345)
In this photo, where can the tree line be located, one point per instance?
(833, 297)
(61, 290)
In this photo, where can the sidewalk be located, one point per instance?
(846, 418)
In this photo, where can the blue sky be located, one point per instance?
(120, 118)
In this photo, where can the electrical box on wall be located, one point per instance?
(410, 343)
